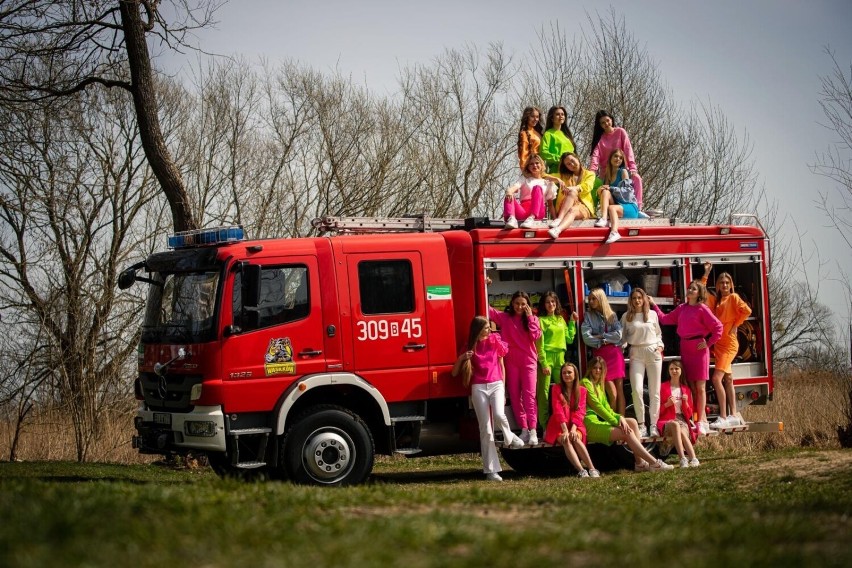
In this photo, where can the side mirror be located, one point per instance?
(126, 279)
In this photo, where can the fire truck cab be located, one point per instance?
(302, 358)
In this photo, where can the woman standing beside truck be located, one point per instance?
(481, 367)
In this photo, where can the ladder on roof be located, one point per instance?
(410, 224)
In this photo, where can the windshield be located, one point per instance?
(181, 308)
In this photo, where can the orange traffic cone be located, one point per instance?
(666, 290)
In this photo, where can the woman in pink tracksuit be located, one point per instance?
(520, 329)
(697, 329)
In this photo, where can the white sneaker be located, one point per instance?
(613, 236)
(684, 463)
(601, 222)
(654, 432)
(533, 438)
(493, 477)
(703, 428)
(554, 233)
(582, 473)
(511, 223)
(643, 215)
(528, 223)
(694, 462)
(735, 420)
(525, 436)
(719, 423)
(594, 473)
(660, 465)
(516, 444)
(643, 431)
(554, 222)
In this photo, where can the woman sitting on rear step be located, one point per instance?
(566, 426)
(604, 426)
(676, 417)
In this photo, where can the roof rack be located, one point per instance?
(426, 224)
(407, 224)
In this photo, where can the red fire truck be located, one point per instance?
(302, 358)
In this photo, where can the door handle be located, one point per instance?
(309, 353)
(414, 346)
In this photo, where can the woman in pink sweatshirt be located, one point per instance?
(697, 329)
(520, 329)
(566, 426)
(606, 138)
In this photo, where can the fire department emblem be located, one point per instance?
(279, 357)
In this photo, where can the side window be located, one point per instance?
(284, 297)
(386, 287)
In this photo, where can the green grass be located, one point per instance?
(791, 507)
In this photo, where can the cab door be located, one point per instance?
(389, 323)
(282, 340)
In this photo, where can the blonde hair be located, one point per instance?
(609, 172)
(597, 360)
(603, 304)
(646, 305)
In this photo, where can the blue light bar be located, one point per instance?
(201, 237)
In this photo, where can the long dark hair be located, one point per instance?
(565, 130)
(574, 399)
(509, 310)
(542, 309)
(563, 169)
(477, 324)
(597, 131)
(525, 119)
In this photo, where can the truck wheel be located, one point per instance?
(328, 445)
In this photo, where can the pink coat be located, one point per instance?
(563, 413)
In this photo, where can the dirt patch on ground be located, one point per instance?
(816, 464)
(496, 513)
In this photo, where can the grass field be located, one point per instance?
(790, 507)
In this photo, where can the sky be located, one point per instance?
(760, 61)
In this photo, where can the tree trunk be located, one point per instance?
(145, 102)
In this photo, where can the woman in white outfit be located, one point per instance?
(641, 331)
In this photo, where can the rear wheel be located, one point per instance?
(328, 445)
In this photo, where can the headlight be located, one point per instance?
(203, 429)
(195, 393)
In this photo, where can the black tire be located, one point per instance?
(328, 445)
(538, 461)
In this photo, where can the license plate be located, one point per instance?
(163, 418)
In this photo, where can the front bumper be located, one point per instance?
(166, 432)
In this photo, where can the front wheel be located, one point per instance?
(328, 445)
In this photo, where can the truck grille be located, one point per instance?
(169, 393)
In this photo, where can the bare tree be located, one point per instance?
(461, 137)
(74, 187)
(52, 49)
(836, 162)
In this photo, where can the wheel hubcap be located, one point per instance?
(328, 455)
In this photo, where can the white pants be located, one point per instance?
(485, 397)
(645, 358)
